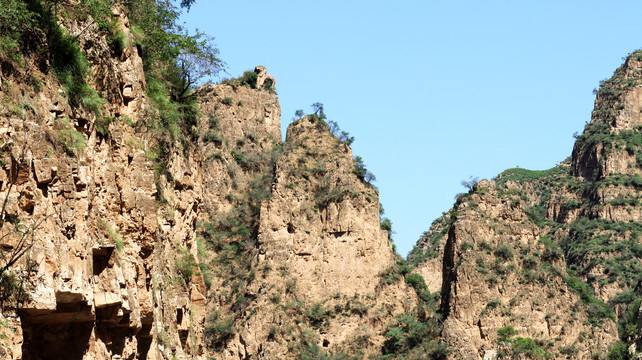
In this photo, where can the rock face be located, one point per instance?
(295, 235)
(498, 272)
(126, 256)
(90, 217)
(538, 262)
(321, 219)
(598, 153)
(223, 241)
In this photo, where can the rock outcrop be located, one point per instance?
(124, 235)
(549, 259)
(499, 272)
(130, 255)
(321, 219)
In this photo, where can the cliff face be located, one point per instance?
(85, 212)
(554, 254)
(608, 145)
(295, 243)
(321, 219)
(124, 237)
(232, 244)
(499, 271)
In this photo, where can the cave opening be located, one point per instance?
(56, 341)
(63, 333)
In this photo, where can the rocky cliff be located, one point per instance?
(142, 223)
(224, 241)
(547, 263)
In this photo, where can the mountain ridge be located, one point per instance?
(145, 221)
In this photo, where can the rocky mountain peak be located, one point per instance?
(322, 218)
(610, 142)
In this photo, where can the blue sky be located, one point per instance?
(433, 91)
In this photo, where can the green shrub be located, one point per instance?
(416, 282)
(505, 252)
(114, 235)
(216, 156)
(389, 276)
(118, 41)
(173, 117)
(569, 350)
(529, 348)
(537, 214)
(248, 79)
(362, 173)
(73, 141)
(624, 297)
(218, 330)
(628, 323)
(68, 62)
(619, 352)
(214, 122)
(290, 286)
(625, 180)
(504, 333)
(12, 291)
(268, 85)
(318, 315)
(408, 333)
(185, 264)
(410, 338)
(386, 224)
(275, 297)
(520, 175)
(530, 262)
(597, 310)
(492, 304)
(327, 192)
(227, 100)
(247, 162)
(357, 308)
(212, 137)
(487, 247)
(102, 125)
(394, 273)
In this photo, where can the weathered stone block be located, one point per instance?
(44, 170)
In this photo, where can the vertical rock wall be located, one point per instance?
(322, 220)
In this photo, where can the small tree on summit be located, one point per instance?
(318, 110)
(470, 183)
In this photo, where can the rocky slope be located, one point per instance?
(296, 244)
(126, 233)
(224, 242)
(554, 255)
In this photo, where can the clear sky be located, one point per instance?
(433, 91)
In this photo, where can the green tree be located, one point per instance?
(470, 183)
(18, 26)
(318, 110)
(187, 3)
(362, 173)
(175, 63)
(170, 53)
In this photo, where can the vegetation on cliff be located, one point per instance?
(585, 212)
(568, 236)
